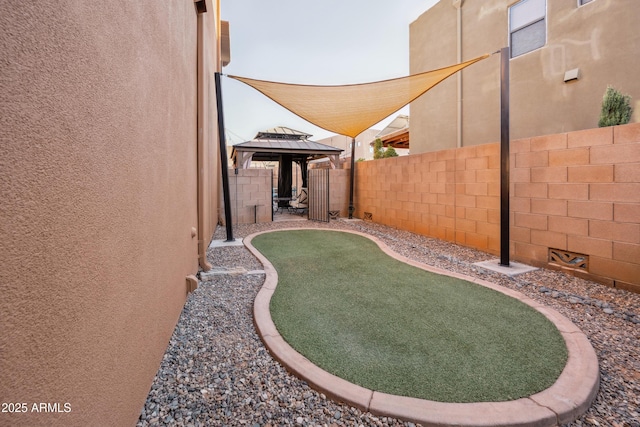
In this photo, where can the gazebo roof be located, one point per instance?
(281, 132)
(269, 145)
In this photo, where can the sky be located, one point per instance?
(318, 42)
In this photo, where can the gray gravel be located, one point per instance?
(217, 372)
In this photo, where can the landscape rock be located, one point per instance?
(217, 372)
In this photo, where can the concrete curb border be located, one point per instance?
(569, 397)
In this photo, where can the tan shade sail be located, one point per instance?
(351, 109)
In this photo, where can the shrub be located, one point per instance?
(380, 153)
(390, 152)
(616, 108)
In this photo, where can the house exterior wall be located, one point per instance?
(576, 191)
(600, 38)
(363, 150)
(98, 200)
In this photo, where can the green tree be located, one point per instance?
(378, 152)
(390, 152)
(616, 108)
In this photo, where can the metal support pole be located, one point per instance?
(353, 173)
(504, 156)
(223, 160)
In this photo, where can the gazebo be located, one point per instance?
(286, 146)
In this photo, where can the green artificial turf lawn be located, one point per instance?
(391, 327)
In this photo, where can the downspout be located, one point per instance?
(458, 5)
(201, 186)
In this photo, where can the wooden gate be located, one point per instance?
(318, 181)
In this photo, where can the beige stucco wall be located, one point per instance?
(98, 198)
(600, 38)
(344, 143)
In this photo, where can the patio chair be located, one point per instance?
(301, 202)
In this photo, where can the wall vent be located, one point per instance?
(568, 259)
(368, 216)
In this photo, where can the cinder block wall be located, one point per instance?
(580, 192)
(451, 194)
(576, 192)
(339, 191)
(250, 194)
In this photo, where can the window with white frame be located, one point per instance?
(527, 26)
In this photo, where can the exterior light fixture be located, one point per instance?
(572, 75)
